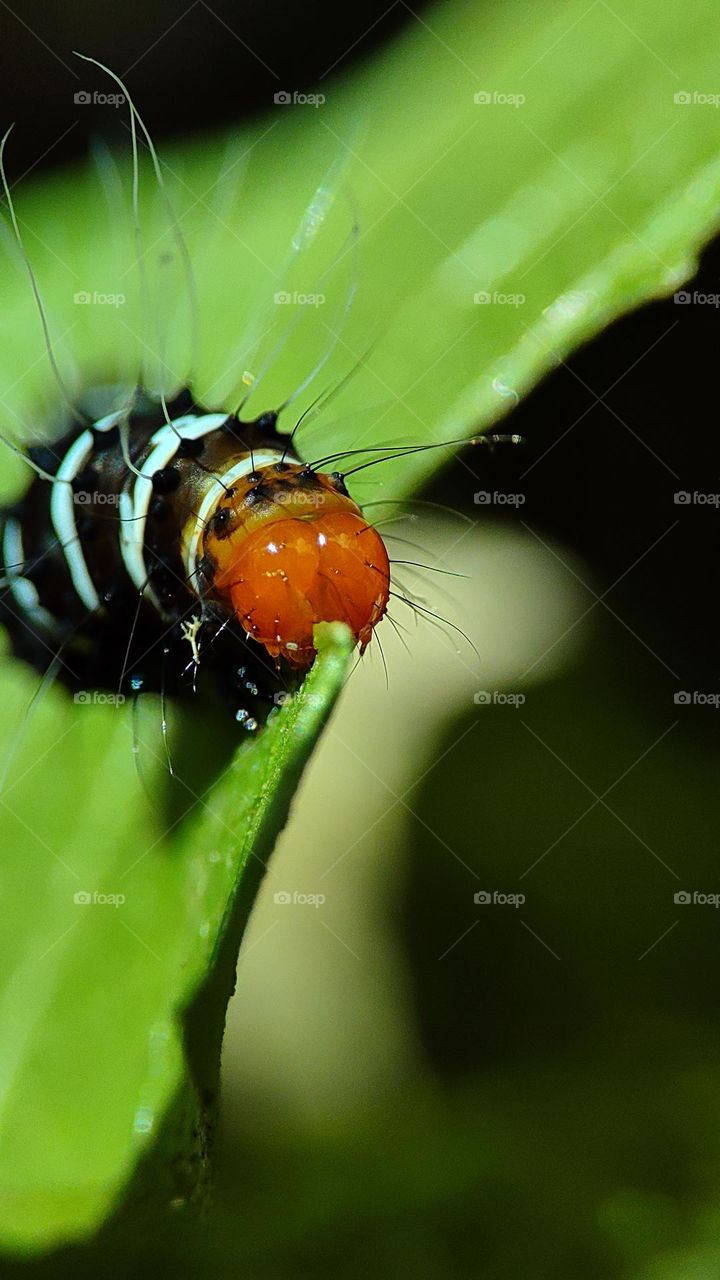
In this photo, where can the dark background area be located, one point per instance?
(190, 66)
(611, 437)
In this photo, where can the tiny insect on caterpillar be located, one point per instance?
(168, 538)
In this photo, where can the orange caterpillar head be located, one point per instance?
(290, 548)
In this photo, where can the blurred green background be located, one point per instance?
(417, 1083)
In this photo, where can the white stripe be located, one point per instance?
(110, 420)
(134, 506)
(23, 591)
(255, 462)
(62, 507)
(62, 514)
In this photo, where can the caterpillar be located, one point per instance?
(216, 541)
(167, 541)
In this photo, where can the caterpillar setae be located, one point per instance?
(216, 541)
(166, 539)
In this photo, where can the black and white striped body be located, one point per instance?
(103, 567)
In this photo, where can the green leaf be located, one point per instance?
(115, 926)
(590, 196)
